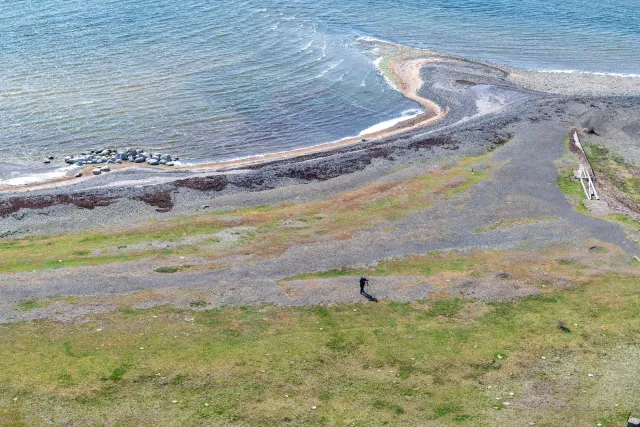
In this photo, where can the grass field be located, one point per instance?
(439, 363)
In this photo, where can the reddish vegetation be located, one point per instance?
(439, 141)
(207, 183)
(162, 200)
(14, 205)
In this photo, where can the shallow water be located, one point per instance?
(224, 79)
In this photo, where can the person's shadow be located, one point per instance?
(369, 297)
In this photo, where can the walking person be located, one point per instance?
(363, 281)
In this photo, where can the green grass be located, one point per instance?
(29, 304)
(412, 265)
(365, 364)
(625, 221)
(607, 164)
(172, 269)
(511, 223)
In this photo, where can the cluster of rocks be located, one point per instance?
(110, 156)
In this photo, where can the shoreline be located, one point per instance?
(401, 66)
(404, 71)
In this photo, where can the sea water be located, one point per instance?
(221, 79)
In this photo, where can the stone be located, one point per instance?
(170, 164)
(51, 157)
(97, 171)
(47, 161)
(166, 157)
(139, 160)
(153, 162)
(598, 207)
(79, 174)
(105, 169)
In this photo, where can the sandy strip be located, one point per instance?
(407, 74)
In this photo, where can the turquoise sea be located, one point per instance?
(227, 78)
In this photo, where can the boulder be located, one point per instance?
(166, 157)
(170, 164)
(97, 171)
(163, 162)
(153, 162)
(105, 169)
(79, 174)
(139, 160)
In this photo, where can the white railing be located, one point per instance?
(583, 173)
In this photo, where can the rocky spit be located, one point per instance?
(111, 156)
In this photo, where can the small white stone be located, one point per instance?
(475, 346)
(141, 348)
(98, 330)
(263, 371)
(313, 407)
(322, 329)
(499, 356)
(286, 395)
(59, 260)
(15, 399)
(591, 375)
(174, 401)
(511, 394)
(206, 404)
(543, 358)
(506, 403)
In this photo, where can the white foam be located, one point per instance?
(591, 73)
(307, 46)
(406, 115)
(36, 178)
(331, 67)
(377, 63)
